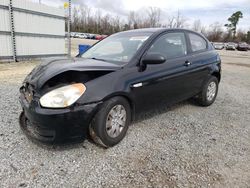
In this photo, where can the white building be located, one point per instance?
(30, 29)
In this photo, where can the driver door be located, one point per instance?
(168, 82)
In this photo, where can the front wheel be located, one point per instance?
(209, 92)
(110, 124)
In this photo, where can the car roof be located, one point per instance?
(160, 30)
(146, 30)
(155, 30)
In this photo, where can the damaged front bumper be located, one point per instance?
(56, 125)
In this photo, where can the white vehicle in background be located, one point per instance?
(231, 46)
(87, 36)
(80, 35)
(77, 35)
(83, 36)
(72, 34)
(218, 45)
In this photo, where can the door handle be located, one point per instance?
(137, 85)
(187, 63)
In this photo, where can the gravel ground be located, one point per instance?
(181, 146)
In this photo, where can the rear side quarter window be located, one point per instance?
(197, 42)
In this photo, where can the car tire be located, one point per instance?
(209, 92)
(109, 125)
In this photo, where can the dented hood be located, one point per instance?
(47, 70)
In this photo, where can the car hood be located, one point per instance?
(52, 67)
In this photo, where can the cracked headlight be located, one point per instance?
(63, 97)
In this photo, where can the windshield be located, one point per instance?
(119, 47)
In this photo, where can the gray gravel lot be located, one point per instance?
(180, 146)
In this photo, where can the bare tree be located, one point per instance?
(85, 19)
(171, 22)
(204, 30)
(215, 32)
(197, 26)
(180, 21)
(75, 19)
(135, 20)
(98, 15)
(154, 15)
(241, 36)
(176, 21)
(116, 22)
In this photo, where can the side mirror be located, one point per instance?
(153, 58)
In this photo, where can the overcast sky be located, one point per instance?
(208, 11)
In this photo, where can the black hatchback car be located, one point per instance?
(100, 93)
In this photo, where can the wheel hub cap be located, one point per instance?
(116, 121)
(211, 91)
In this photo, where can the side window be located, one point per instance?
(170, 45)
(197, 42)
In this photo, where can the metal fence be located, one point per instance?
(30, 30)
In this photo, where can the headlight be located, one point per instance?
(63, 96)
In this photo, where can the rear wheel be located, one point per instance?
(110, 124)
(209, 92)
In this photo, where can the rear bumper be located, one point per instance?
(56, 125)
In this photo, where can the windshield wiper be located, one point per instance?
(99, 59)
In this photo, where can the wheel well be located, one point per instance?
(217, 75)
